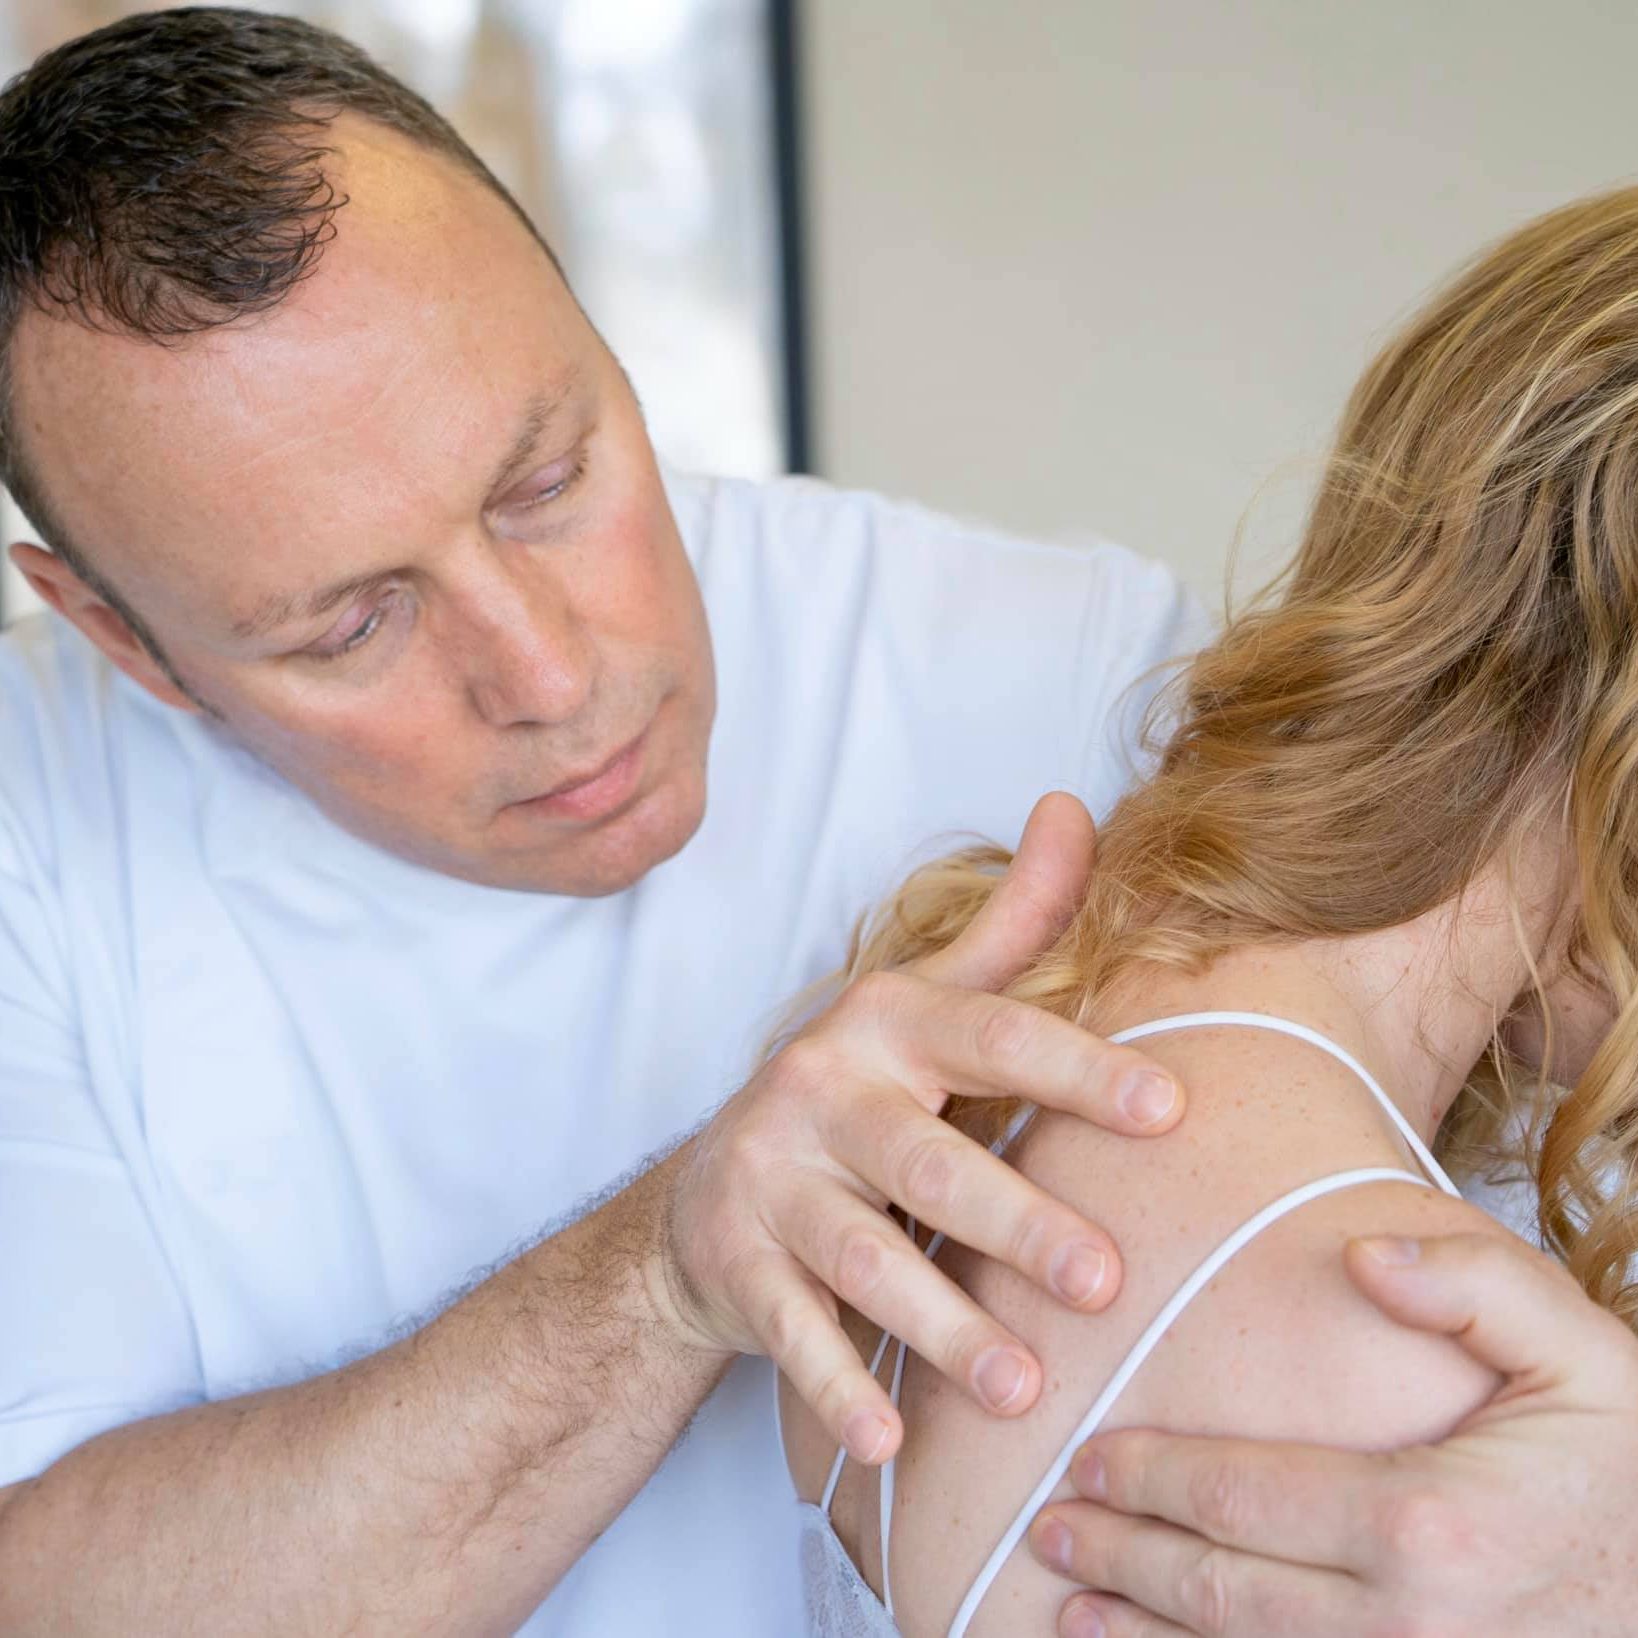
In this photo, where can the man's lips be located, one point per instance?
(593, 795)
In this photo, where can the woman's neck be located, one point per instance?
(1417, 1003)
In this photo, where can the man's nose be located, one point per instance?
(531, 658)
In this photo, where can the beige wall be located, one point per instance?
(1106, 266)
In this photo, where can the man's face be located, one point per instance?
(405, 535)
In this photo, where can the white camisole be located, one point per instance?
(840, 1602)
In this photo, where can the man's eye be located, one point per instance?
(356, 638)
(557, 480)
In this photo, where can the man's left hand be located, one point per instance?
(1523, 1522)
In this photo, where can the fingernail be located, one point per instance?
(1089, 1476)
(1392, 1251)
(1077, 1272)
(1052, 1544)
(1146, 1098)
(1082, 1621)
(1000, 1376)
(864, 1433)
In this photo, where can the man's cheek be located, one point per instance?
(392, 747)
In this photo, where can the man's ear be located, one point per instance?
(56, 585)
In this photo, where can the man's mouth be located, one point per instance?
(595, 794)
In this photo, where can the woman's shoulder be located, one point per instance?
(1267, 1116)
(1278, 1344)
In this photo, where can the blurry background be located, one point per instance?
(1077, 267)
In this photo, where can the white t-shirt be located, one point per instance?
(266, 1090)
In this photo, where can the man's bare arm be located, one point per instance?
(444, 1483)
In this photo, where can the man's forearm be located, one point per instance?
(443, 1484)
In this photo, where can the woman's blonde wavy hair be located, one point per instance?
(1450, 661)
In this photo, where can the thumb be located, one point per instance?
(1506, 1304)
(1034, 902)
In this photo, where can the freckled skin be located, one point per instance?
(354, 430)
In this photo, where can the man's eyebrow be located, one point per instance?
(273, 612)
(539, 413)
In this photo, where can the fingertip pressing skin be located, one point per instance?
(1008, 1380)
(1082, 1275)
(1150, 1099)
(1089, 1474)
(870, 1437)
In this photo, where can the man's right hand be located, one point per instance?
(778, 1210)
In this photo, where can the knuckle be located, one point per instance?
(1418, 1530)
(1221, 1500)
(806, 1068)
(861, 1264)
(926, 1174)
(1203, 1592)
(1002, 1033)
(784, 1329)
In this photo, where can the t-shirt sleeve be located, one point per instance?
(93, 1330)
